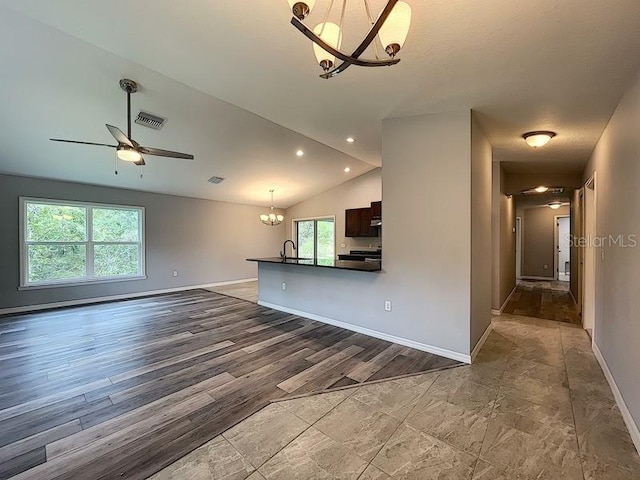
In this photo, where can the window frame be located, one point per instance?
(294, 231)
(90, 277)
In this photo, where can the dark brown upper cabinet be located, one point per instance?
(376, 209)
(358, 223)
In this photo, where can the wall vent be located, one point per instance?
(216, 180)
(150, 120)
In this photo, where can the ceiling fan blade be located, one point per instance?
(120, 136)
(165, 153)
(82, 143)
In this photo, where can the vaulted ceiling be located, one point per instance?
(241, 88)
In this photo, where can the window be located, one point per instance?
(316, 237)
(70, 242)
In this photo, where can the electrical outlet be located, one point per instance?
(546, 267)
(387, 305)
(175, 273)
(284, 286)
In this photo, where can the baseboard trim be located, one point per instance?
(480, 343)
(461, 357)
(634, 431)
(504, 305)
(88, 301)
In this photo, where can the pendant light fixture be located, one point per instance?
(390, 27)
(272, 218)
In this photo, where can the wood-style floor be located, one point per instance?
(121, 390)
(550, 300)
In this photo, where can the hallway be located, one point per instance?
(536, 405)
(550, 300)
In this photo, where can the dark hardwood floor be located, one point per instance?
(123, 389)
(544, 299)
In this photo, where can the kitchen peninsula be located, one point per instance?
(331, 263)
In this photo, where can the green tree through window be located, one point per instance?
(71, 242)
(316, 238)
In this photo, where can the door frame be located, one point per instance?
(518, 226)
(589, 286)
(556, 243)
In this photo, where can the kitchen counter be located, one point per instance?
(323, 263)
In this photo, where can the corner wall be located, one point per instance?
(427, 267)
(503, 221)
(481, 157)
(616, 160)
(206, 241)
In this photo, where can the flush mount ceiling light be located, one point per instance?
(272, 218)
(555, 205)
(541, 189)
(390, 27)
(538, 139)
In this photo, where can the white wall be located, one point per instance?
(427, 244)
(503, 222)
(616, 159)
(356, 193)
(206, 241)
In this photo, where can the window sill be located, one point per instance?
(79, 283)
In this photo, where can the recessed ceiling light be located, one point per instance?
(299, 153)
(541, 189)
(347, 169)
(351, 139)
(538, 138)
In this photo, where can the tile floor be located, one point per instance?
(550, 300)
(536, 405)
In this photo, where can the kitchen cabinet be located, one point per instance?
(376, 209)
(358, 223)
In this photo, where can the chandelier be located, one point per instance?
(391, 27)
(272, 219)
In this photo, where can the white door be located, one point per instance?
(563, 242)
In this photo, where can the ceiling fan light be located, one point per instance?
(395, 29)
(128, 154)
(301, 9)
(538, 139)
(330, 33)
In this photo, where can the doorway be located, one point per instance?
(518, 248)
(563, 247)
(589, 256)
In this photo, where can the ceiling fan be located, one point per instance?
(127, 148)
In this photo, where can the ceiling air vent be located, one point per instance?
(150, 120)
(216, 180)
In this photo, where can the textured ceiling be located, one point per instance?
(540, 64)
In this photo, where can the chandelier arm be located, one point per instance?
(371, 36)
(349, 60)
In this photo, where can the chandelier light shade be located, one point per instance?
(389, 30)
(538, 139)
(272, 218)
(394, 31)
(330, 33)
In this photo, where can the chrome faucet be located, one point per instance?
(283, 253)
